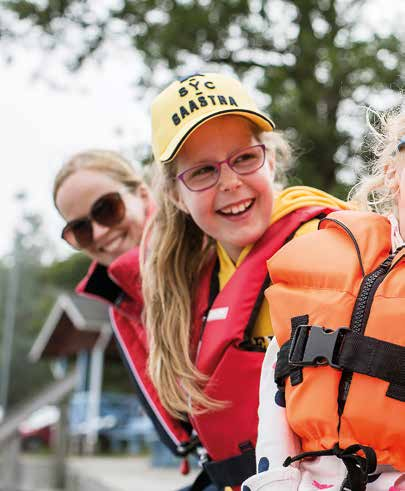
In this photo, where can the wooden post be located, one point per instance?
(9, 438)
(59, 444)
(10, 474)
(94, 393)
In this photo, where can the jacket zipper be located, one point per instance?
(360, 316)
(362, 306)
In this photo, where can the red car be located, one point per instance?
(36, 431)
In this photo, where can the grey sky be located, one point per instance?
(41, 127)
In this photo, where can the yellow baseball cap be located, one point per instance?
(188, 103)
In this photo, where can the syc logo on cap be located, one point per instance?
(188, 103)
(204, 94)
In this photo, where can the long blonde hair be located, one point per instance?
(373, 191)
(175, 251)
(103, 161)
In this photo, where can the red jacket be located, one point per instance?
(223, 324)
(119, 286)
(224, 354)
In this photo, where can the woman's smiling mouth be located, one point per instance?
(113, 244)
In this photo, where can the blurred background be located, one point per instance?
(77, 74)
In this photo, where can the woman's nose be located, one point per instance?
(228, 179)
(98, 230)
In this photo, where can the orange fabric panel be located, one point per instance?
(320, 275)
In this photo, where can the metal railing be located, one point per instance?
(54, 394)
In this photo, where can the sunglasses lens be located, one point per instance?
(109, 210)
(79, 234)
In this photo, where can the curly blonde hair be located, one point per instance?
(175, 251)
(375, 190)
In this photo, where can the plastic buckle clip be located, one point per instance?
(187, 447)
(316, 346)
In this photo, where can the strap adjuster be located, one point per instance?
(185, 448)
(316, 346)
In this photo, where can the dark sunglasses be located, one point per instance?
(108, 210)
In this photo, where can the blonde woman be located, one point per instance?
(336, 388)
(219, 218)
(106, 206)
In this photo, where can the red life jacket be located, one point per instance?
(119, 286)
(344, 276)
(231, 362)
(225, 355)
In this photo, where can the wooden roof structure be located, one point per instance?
(73, 325)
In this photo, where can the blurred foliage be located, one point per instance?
(310, 57)
(33, 301)
(66, 274)
(38, 286)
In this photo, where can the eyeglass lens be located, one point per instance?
(246, 161)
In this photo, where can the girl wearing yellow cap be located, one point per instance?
(204, 272)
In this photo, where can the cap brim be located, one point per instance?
(262, 121)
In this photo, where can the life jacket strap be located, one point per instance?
(188, 447)
(343, 349)
(232, 471)
(283, 367)
(358, 468)
(200, 482)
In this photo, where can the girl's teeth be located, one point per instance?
(234, 210)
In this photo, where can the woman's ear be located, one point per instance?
(143, 191)
(145, 195)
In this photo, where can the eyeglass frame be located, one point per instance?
(180, 176)
(90, 219)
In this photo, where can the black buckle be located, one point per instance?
(316, 346)
(185, 448)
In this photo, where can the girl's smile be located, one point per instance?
(236, 210)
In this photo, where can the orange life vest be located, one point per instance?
(344, 387)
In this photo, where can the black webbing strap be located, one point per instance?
(296, 376)
(200, 482)
(342, 349)
(358, 467)
(232, 471)
(283, 368)
(212, 295)
(256, 308)
(375, 358)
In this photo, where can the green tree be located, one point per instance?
(65, 275)
(32, 301)
(38, 285)
(308, 57)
